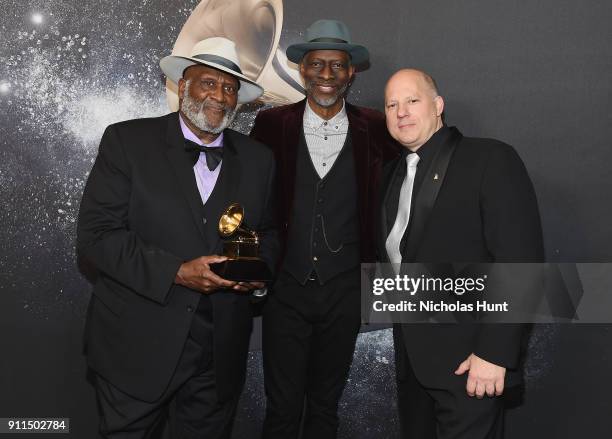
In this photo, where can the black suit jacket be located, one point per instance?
(482, 208)
(280, 128)
(142, 216)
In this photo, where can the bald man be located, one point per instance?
(465, 200)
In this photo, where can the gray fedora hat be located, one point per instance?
(328, 35)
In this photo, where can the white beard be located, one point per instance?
(194, 111)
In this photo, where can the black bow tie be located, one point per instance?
(214, 154)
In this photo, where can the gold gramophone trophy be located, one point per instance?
(241, 246)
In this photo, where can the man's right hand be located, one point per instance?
(197, 275)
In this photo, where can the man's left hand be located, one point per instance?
(484, 377)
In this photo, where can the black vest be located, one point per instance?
(202, 324)
(323, 235)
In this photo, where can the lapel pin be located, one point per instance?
(436, 176)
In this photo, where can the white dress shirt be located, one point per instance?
(325, 138)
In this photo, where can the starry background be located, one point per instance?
(535, 76)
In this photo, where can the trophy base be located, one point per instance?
(243, 270)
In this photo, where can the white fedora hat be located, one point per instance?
(218, 53)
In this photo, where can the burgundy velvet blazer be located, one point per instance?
(280, 128)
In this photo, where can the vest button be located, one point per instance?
(320, 200)
(189, 308)
(314, 258)
(204, 220)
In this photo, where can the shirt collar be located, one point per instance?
(314, 121)
(190, 135)
(428, 150)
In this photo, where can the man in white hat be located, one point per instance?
(164, 332)
(329, 158)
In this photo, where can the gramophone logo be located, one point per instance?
(255, 26)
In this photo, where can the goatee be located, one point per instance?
(324, 102)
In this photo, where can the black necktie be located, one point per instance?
(214, 154)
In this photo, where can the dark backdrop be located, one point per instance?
(533, 74)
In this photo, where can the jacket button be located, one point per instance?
(315, 258)
(189, 308)
(204, 220)
(320, 200)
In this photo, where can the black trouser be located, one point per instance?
(191, 400)
(442, 413)
(309, 334)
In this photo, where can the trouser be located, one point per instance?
(443, 413)
(190, 402)
(309, 334)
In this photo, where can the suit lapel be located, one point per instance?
(182, 165)
(292, 130)
(428, 193)
(358, 130)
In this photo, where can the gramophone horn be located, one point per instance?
(230, 224)
(231, 219)
(255, 26)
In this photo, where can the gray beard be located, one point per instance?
(324, 102)
(194, 111)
